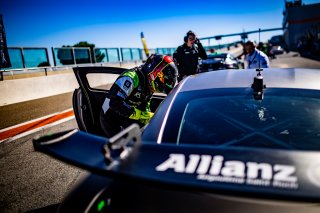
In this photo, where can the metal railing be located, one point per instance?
(37, 59)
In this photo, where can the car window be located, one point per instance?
(218, 57)
(101, 80)
(275, 122)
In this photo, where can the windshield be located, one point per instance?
(217, 57)
(275, 122)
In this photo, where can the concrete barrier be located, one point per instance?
(30, 85)
(30, 88)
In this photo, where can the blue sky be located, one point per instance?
(53, 23)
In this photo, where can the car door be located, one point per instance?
(94, 84)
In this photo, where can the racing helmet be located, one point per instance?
(161, 73)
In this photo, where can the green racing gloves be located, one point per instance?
(142, 116)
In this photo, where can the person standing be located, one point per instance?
(187, 55)
(255, 57)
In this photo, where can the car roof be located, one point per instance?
(272, 77)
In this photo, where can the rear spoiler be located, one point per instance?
(265, 173)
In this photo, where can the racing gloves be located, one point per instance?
(142, 116)
(145, 117)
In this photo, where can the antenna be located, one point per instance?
(260, 47)
(259, 69)
(258, 85)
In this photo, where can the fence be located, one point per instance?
(37, 57)
(28, 57)
(32, 58)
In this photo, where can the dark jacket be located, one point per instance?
(130, 90)
(187, 58)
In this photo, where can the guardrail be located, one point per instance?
(32, 84)
(35, 59)
(45, 71)
(48, 81)
(31, 57)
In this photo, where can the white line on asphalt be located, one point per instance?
(44, 117)
(36, 130)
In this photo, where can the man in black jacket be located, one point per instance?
(187, 55)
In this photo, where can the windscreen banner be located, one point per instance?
(4, 55)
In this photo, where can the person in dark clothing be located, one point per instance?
(129, 98)
(187, 55)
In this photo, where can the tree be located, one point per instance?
(86, 44)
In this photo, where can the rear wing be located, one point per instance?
(265, 173)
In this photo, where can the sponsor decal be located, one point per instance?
(161, 76)
(127, 85)
(120, 94)
(216, 169)
(137, 94)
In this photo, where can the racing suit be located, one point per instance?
(187, 59)
(129, 99)
(256, 58)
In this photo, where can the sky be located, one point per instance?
(118, 23)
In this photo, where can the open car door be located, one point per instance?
(88, 99)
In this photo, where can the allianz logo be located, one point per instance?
(216, 169)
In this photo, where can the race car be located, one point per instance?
(227, 141)
(220, 61)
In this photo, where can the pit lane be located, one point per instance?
(31, 180)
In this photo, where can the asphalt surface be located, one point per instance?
(30, 180)
(14, 114)
(293, 60)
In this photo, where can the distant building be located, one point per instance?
(301, 24)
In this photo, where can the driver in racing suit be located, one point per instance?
(129, 98)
